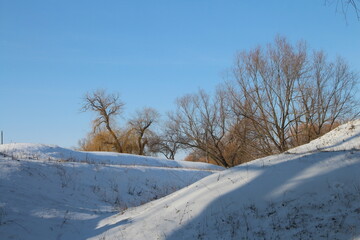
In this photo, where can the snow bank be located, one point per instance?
(344, 137)
(53, 152)
(310, 192)
(308, 195)
(47, 192)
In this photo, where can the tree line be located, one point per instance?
(274, 98)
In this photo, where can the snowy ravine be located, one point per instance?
(48, 192)
(310, 192)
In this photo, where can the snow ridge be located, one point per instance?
(55, 153)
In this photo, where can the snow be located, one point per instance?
(260, 200)
(47, 192)
(53, 152)
(344, 137)
(309, 192)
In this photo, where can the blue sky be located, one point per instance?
(52, 52)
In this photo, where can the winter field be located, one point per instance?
(310, 192)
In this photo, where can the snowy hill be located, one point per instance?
(48, 192)
(44, 152)
(311, 192)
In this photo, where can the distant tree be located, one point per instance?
(286, 94)
(168, 142)
(242, 145)
(141, 125)
(203, 123)
(107, 107)
(265, 89)
(128, 139)
(100, 140)
(326, 97)
(197, 155)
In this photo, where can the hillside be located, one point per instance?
(311, 192)
(48, 192)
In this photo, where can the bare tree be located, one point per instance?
(203, 124)
(107, 107)
(266, 88)
(289, 96)
(128, 139)
(168, 142)
(140, 125)
(100, 140)
(327, 97)
(345, 5)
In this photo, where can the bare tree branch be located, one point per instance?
(107, 107)
(345, 5)
(141, 124)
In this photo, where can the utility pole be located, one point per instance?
(2, 137)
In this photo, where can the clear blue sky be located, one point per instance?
(54, 51)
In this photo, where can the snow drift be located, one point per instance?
(55, 153)
(311, 192)
(48, 192)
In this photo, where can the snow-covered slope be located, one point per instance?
(344, 137)
(47, 192)
(55, 153)
(310, 192)
(303, 194)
